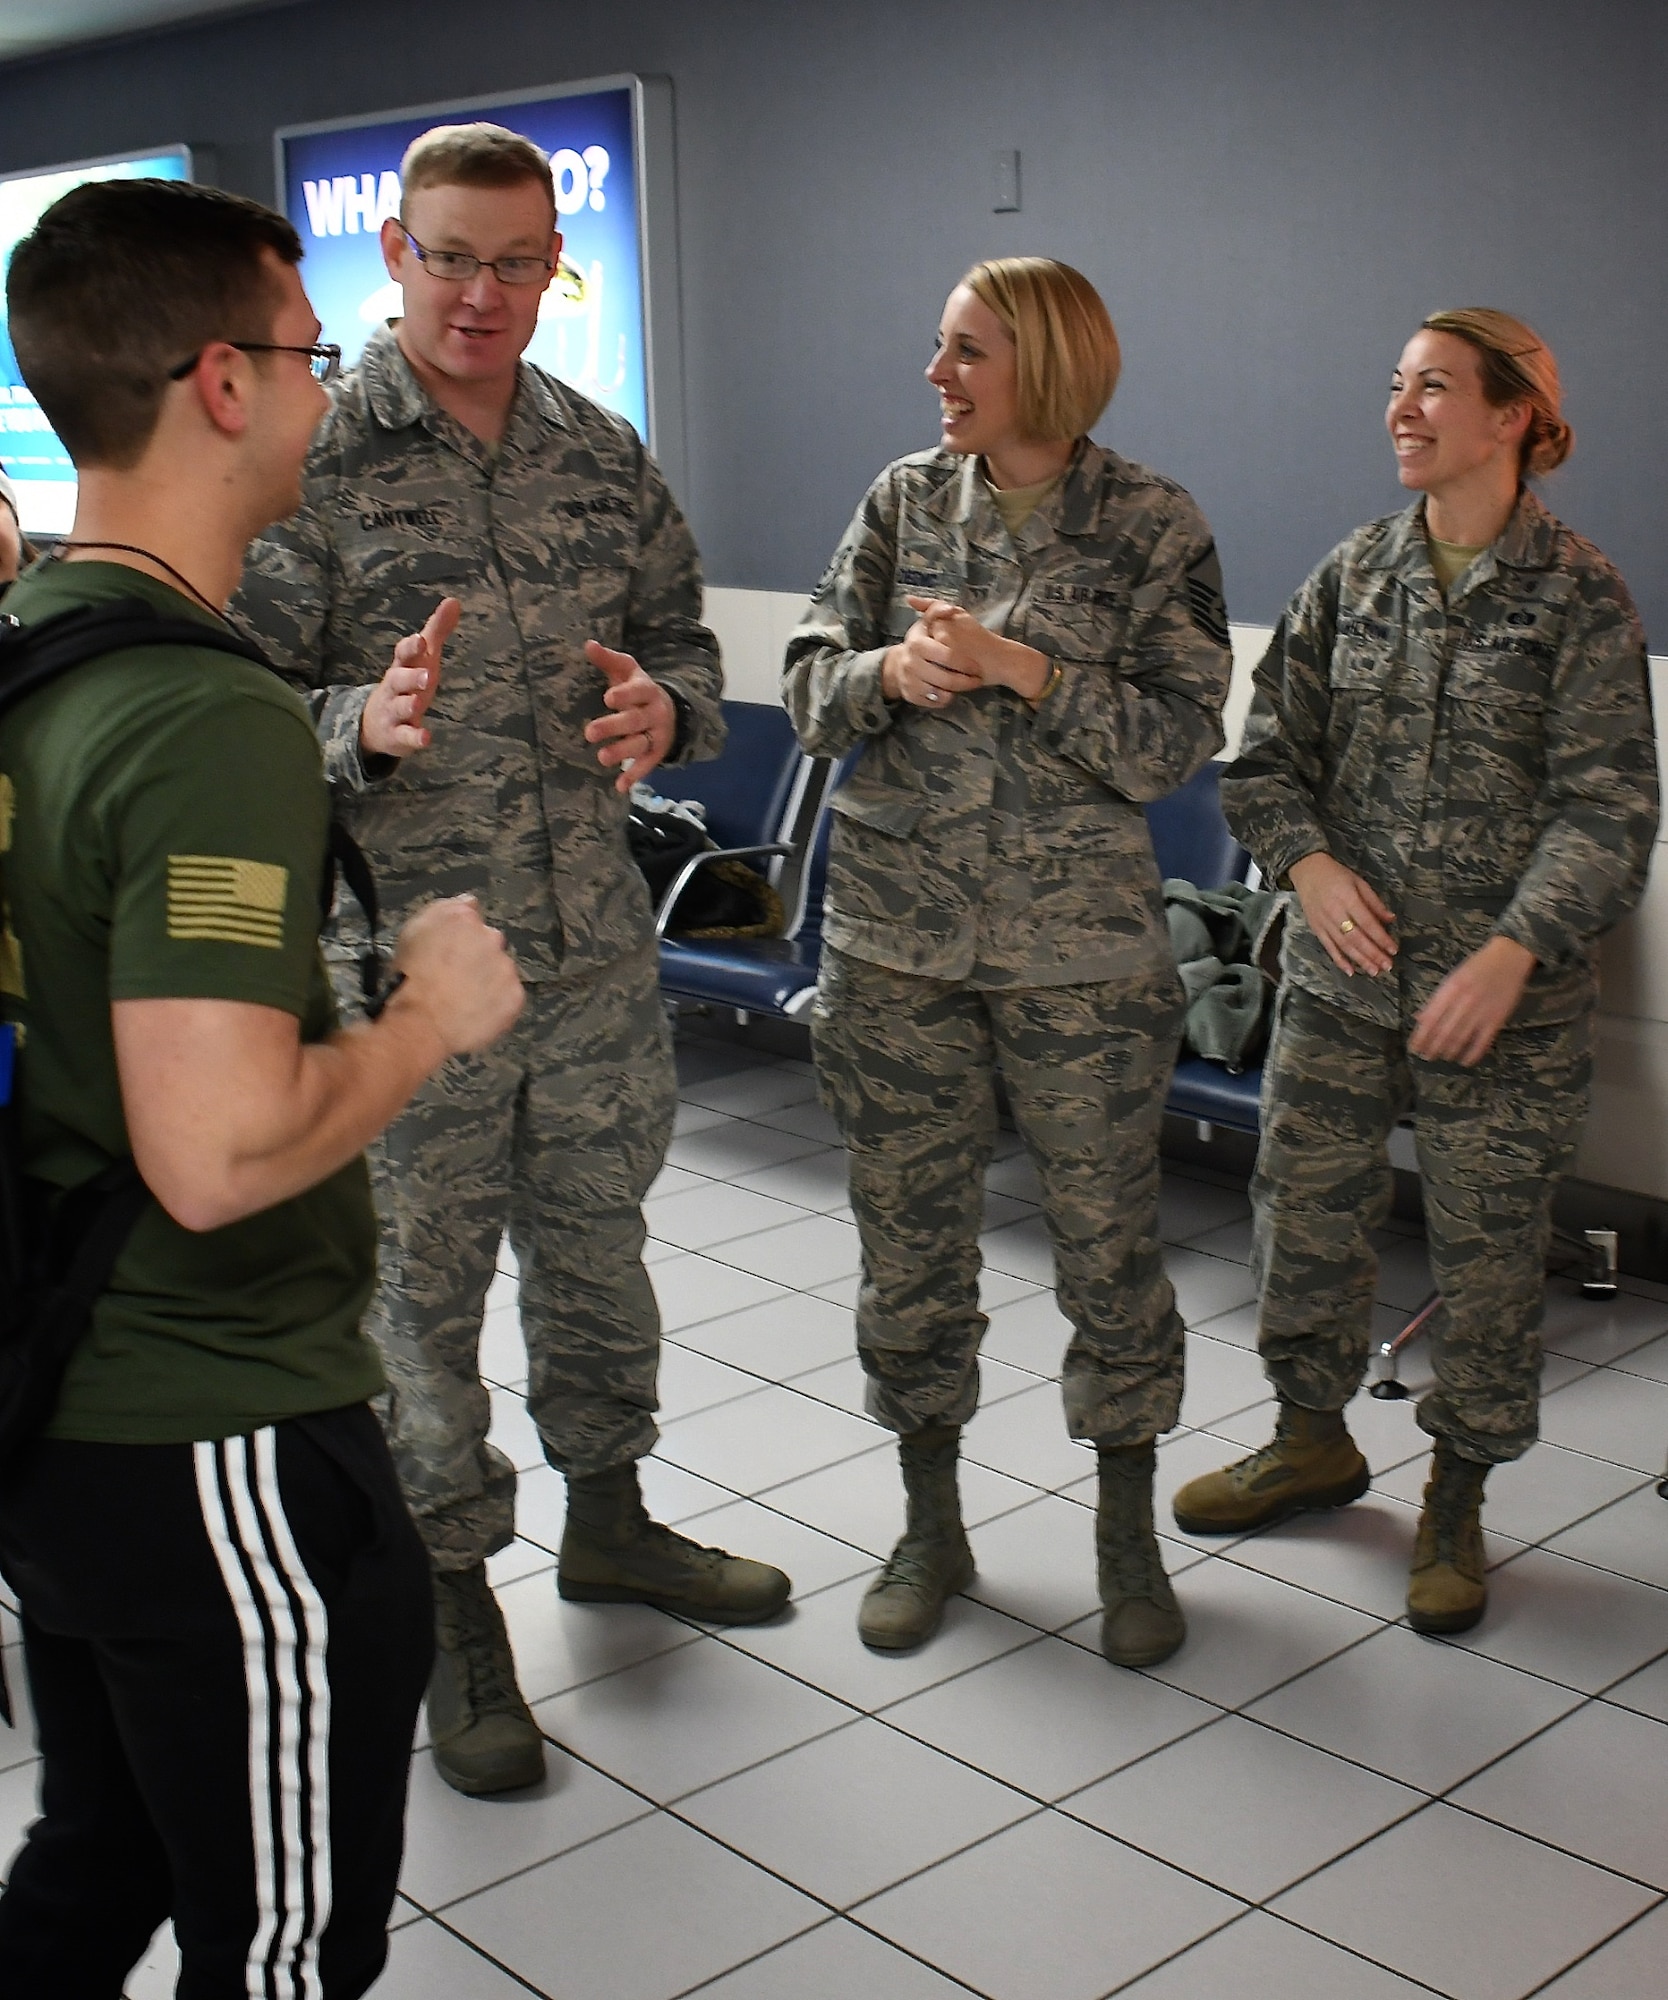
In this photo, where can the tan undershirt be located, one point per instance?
(1016, 504)
(1451, 560)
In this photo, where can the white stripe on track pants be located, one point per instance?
(226, 1645)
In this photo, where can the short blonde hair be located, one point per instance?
(478, 155)
(1066, 344)
(1517, 367)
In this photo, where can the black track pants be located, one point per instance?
(226, 1645)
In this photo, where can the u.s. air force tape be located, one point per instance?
(1204, 597)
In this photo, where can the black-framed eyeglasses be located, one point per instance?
(457, 267)
(325, 360)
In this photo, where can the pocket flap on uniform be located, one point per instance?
(1093, 833)
(886, 810)
(1357, 670)
(1501, 678)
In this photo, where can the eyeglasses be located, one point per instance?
(457, 267)
(325, 360)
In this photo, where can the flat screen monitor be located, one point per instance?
(606, 325)
(35, 462)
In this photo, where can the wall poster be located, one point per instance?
(608, 324)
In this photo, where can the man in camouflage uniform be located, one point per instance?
(1486, 764)
(993, 904)
(449, 468)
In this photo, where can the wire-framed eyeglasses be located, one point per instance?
(457, 267)
(325, 359)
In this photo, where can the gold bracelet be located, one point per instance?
(1056, 675)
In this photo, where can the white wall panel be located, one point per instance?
(1626, 1143)
(1633, 960)
(753, 628)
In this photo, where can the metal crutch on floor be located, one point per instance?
(1599, 1246)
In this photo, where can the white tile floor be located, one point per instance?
(1307, 1802)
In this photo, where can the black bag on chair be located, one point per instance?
(662, 845)
(723, 899)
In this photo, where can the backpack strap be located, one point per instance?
(343, 853)
(31, 656)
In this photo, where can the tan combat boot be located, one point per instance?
(904, 1605)
(1446, 1591)
(1141, 1622)
(485, 1740)
(612, 1553)
(1312, 1461)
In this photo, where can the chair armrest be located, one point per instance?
(663, 916)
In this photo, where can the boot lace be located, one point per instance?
(914, 1565)
(656, 1538)
(1453, 1534)
(472, 1630)
(1273, 1458)
(1134, 1569)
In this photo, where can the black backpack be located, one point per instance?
(58, 1248)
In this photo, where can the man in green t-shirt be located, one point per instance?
(226, 1610)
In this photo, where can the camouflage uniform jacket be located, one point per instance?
(1487, 764)
(987, 841)
(566, 533)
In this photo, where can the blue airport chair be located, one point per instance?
(766, 801)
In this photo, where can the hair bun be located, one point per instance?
(1549, 443)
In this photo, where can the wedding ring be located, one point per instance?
(1346, 927)
(932, 694)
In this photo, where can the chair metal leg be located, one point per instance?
(1600, 1281)
(1388, 1386)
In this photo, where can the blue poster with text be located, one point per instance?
(340, 185)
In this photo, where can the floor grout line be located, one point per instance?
(1650, 1911)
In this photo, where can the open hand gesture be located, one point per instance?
(391, 723)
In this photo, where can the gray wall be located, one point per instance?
(1268, 192)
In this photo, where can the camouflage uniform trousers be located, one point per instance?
(1492, 1142)
(555, 1135)
(907, 1065)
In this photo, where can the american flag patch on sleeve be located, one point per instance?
(218, 897)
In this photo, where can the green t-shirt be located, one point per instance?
(1450, 561)
(163, 816)
(1016, 504)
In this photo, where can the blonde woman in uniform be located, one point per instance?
(1025, 632)
(1450, 758)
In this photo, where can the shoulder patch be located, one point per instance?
(1204, 597)
(226, 900)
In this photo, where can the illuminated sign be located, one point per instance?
(596, 326)
(34, 460)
